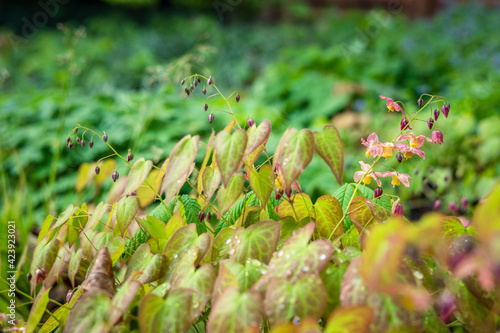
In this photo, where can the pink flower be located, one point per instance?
(408, 151)
(391, 105)
(437, 137)
(415, 141)
(358, 175)
(387, 149)
(371, 145)
(397, 178)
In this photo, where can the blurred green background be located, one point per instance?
(115, 66)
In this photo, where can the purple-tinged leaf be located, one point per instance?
(74, 265)
(328, 215)
(44, 256)
(64, 217)
(101, 276)
(332, 278)
(222, 244)
(235, 311)
(61, 314)
(262, 182)
(229, 151)
(145, 262)
(258, 241)
(352, 319)
(330, 147)
(302, 208)
(295, 152)
(227, 196)
(76, 224)
(90, 314)
(123, 299)
(257, 138)
(176, 222)
(97, 214)
(126, 210)
(180, 166)
(211, 180)
(37, 309)
(137, 175)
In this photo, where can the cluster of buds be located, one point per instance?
(405, 145)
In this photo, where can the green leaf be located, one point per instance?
(180, 166)
(306, 298)
(125, 212)
(90, 314)
(61, 314)
(44, 256)
(122, 299)
(235, 311)
(486, 218)
(222, 244)
(76, 224)
(64, 216)
(211, 180)
(365, 213)
(45, 227)
(352, 319)
(229, 151)
(228, 196)
(98, 213)
(258, 241)
(328, 216)
(262, 182)
(153, 226)
(173, 225)
(138, 173)
(295, 152)
(145, 262)
(37, 309)
(74, 265)
(330, 147)
(239, 275)
(157, 315)
(302, 208)
(332, 278)
(189, 208)
(452, 228)
(257, 138)
(344, 194)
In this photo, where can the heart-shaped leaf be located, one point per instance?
(352, 319)
(211, 179)
(229, 151)
(302, 208)
(295, 152)
(222, 244)
(175, 223)
(262, 182)
(76, 224)
(328, 216)
(138, 173)
(305, 298)
(257, 138)
(90, 314)
(180, 166)
(153, 226)
(74, 265)
(145, 262)
(37, 309)
(235, 311)
(45, 255)
(238, 275)
(45, 227)
(123, 298)
(330, 147)
(125, 212)
(227, 196)
(258, 241)
(97, 215)
(64, 217)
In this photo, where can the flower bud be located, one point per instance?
(69, 145)
(105, 137)
(237, 98)
(204, 91)
(210, 81)
(191, 89)
(97, 170)
(453, 207)
(404, 124)
(211, 117)
(29, 276)
(205, 107)
(420, 102)
(201, 215)
(465, 202)
(377, 192)
(78, 140)
(195, 83)
(415, 171)
(436, 114)
(251, 122)
(68, 295)
(399, 157)
(75, 131)
(115, 176)
(130, 156)
(437, 137)
(134, 194)
(91, 144)
(445, 109)
(68, 139)
(83, 143)
(198, 79)
(446, 178)
(278, 194)
(430, 123)
(209, 216)
(398, 210)
(437, 204)
(40, 275)
(182, 82)
(435, 186)
(186, 90)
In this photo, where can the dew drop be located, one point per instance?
(175, 255)
(287, 256)
(228, 241)
(280, 253)
(418, 275)
(282, 306)
(305, 269)
(322, 256)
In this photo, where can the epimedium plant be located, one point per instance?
(248, 250)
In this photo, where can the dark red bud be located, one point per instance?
(205, 107)
(251, 122)
(209, 216)
(436, 114)
(69, 145)
(430, 123)
(445, 109)
(130, 157)
(196, 84)
(398, 211)
(399, 157)
(182, 82)
(420, 102)
(446, 178)
(437, 204)
(75, 131)
(201, 215)
(204, 91)
(211, 117)
(83, 143)
(415, 171)
(199, 80)
(404, 124)
(377, 192)
(29, 276)
(453, 207)
(210, 81)
(237, 98)
(435, 186)
(186, 90)
(465, 202)
(134, 194)
(68, 140)
(68, 295)
(191, 89)
(97, 170)
(115, 176)
(437, 137)
(78, 140)
(40, 275)
(91, 144)
(105, 137)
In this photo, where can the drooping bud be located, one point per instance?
(210, 81)
(83, 143)
(377, 192)
(205, 107)
(40, 275)
(115, 176)
(445, 109)
(420, 102)
(68, 139)
(437, 204)
(436, 114)
(399, 157)
(198, 79)
(182, 82)
(186, 90)
(134, 194)
(404, 124)
(435, 186)
(415, 171)
(201, 215)
(204, 91)
(209, 216)
(398, 210)
(195, 83)
(446, 178)
(105, 137)
(75, 131)
(465, 202)
(69, 145)
(237, 98)
(251, 122)
(68, 295)
(191, 89)
(211, 117)
(278, 194)
(437, 137)
(29, 276)
(430, 123)
(78, 140)
(453, 207)
(97, 170)
(130, 156)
